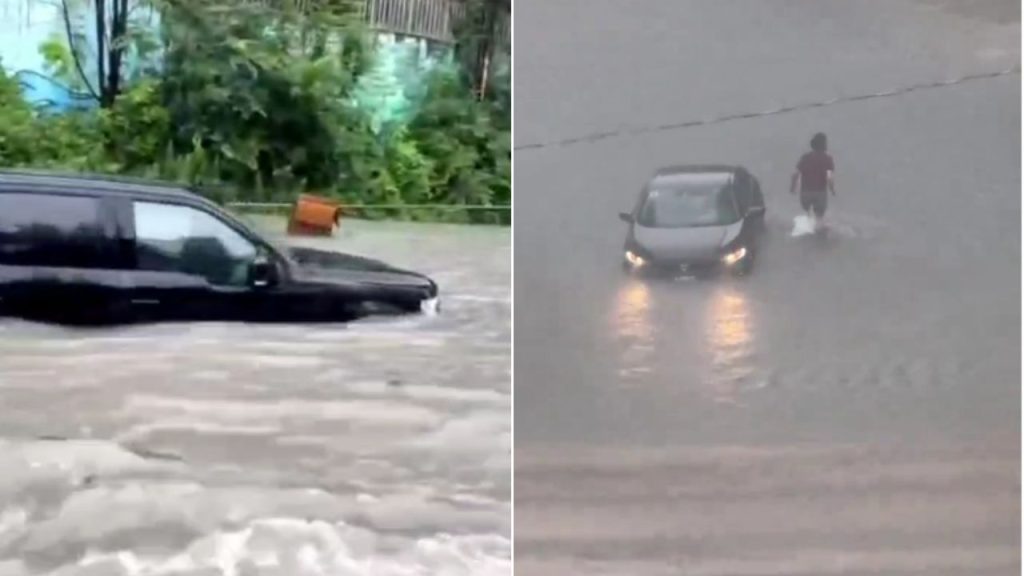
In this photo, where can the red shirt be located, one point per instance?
(814, 168)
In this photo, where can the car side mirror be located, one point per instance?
(262, 271)
(626, 217)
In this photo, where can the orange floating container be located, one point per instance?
(314, 216)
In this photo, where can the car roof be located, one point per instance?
(682, 169)
(694, 175)
(43, 181)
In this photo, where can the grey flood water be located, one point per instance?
(380, 447)
(852, 407)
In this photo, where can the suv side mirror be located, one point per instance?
(262, 271)
(626, 217)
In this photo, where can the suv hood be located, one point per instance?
(321, 266)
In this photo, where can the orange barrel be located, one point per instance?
(314, 215)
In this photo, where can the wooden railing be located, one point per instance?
(429, 19)
(433, 20)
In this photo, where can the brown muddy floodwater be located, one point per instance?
(379, 447)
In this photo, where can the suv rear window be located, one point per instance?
(51, 230)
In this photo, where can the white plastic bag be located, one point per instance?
(804, 225)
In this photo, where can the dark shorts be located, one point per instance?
(816, 201)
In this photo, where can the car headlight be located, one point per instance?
(735, 256)
(633, 259)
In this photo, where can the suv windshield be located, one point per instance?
(683, 205)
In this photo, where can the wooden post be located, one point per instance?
(446, 22)
(485, 73)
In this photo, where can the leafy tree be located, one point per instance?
(16, 122)
(118, 31)
(469, 156)
(256, 101)
(29, 139)
(477, 40)
(268, 103)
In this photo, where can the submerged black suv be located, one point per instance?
(97, 249)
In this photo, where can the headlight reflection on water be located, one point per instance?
(729, 338)
(631, 322)
(709, 350)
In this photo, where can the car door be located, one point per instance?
(58, 256)
(188, 263)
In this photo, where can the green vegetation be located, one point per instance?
(254, 104)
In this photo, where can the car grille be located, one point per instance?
(680, 263)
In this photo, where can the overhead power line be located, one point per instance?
(597, 136)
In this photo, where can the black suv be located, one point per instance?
(87, 249)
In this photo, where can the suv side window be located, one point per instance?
(53, 230)
(174, 238)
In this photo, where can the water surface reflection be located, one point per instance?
(694, 338)
(631, 324)
(729, 340)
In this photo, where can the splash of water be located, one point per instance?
(299, 547)
(804, 225)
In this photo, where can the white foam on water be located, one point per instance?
(479, 299)
(13, 522)
(295, 547)
(479, 432)
(272, 412)
(372, 447)
(430, 307)
(427, 392)
(25, 465)
(842, 225)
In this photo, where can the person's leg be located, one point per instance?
(820, 207)
(806, 203)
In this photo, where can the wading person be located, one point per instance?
(814, 172)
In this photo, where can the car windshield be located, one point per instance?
(689, 205)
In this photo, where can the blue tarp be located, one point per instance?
(49, 94)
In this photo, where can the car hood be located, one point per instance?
(684, 243)
(324, 267)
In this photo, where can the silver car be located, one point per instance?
(695, 220)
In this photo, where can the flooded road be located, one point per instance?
(853, 407)
(380, 447)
